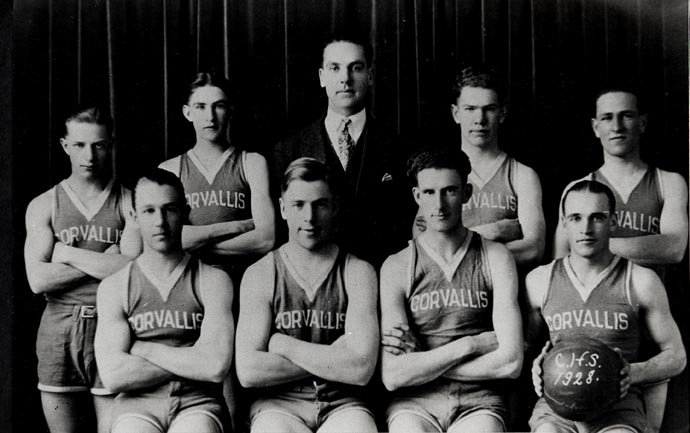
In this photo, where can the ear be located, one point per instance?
(417, 194)
(643, 123)
(63, 144)
(595, 124)
(187, 112)
(371, 76)
(466, 192)
(503, 113)
(455, 112)
(321, 79)
(281, 205)
(613, 222)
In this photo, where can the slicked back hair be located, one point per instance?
(593, 187)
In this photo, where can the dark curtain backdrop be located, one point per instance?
(139, 56)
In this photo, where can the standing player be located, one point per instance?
(164, 340)
(505, 205)
(449, 315)
(362, 157)
(226, 188)
(651, 204)
(307, 334)
(573, 293)
(75, 233)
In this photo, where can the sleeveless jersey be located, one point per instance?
(609, 314)
(224, 198)
(175, 321)
(442, 308)
(638, 215)
(495, 199)
(75, 226)
(320, 320)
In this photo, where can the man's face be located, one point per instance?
(88, 146)
(208, 110)
(309, 209)
(346, 76)
(479, 113)
(588, 223)
(160, 214)
(440, 194)
(618, 123)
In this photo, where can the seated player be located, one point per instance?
(165, 335)
(593, 282)
(449, 315)
(308, 330)
(77, 233)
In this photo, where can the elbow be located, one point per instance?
(362, 372)
(38, 284)
(112, 382)
(680, 364)
(676, 254)
(266, 243)
(391, 378)
(512, 368)
(248, 376)
(217, 366)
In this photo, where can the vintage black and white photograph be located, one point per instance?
(344, 216)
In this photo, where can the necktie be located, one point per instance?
(346, 144)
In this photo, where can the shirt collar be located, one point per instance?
(333, 120)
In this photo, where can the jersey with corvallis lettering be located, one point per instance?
(95, 230)
(447, 304)
(319, 320)
(494, 199)
(639, 215)
(609, 314)
(225, 197)
(173, 320)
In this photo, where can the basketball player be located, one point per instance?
(164, 340)
(226, 188)
(449, 315)
(308, 330)
(651, 204)
(505, 205)
(596, 293)
(76, 234)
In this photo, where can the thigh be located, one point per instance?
(408, 421)
(480, 421)
(135, 424)
(274, 421)
(198, 422)
(103, 406)
(68, 412)
(354, 419)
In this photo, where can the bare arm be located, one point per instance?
(671, 359)
(352, 358)
(44, 275)
(261, 239)
(98, 265)
(120, 370)
(416, 367)
(506, 360)
(210, 357)
(256, 366)
(530, 247)
(669, 245)
(536, 283)
(131, 244)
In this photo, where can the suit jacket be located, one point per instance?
(376, 206)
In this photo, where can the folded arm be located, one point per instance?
(210, 357)
(528, 248)
(118, 368)
(352, 358)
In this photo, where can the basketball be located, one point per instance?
(581, 378)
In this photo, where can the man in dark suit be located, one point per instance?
(368, 164)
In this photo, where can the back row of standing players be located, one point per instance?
(308, 339)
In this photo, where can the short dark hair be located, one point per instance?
(160, 177)
(308, 170)
(97, 114)
(632, 88)
(353, 38)
(477, 76)
(212, 78)
(593, 187)
(450, 157)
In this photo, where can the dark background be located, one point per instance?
(140, 56)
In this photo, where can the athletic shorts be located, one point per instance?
(311, 403)
(627, 412)
(444, 402)
(162, 405)
(64, 347)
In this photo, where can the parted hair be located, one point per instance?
(160, 177)
(450, 157)
(308, 170)
(97, 114)
(595, 188)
